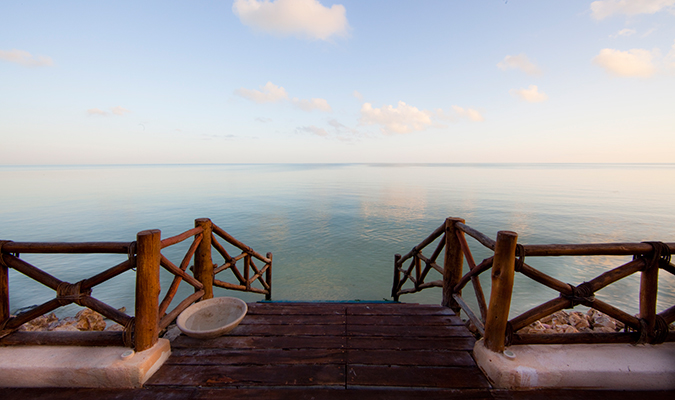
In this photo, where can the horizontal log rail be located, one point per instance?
(492, 322)
(145, 258)
(79, 293)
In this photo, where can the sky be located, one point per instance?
(318, 81)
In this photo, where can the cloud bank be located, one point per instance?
(120, 111)
(25, 58)
(605, 8)
(306, 19)
(531, 94)
(634, 62)
(406, 119)
(520, 62)
(271, 93)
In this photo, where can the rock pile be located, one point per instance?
(85, 320)
(574, 322)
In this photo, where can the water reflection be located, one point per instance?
(334, 229)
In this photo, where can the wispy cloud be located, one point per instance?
(531, 94)
(306, 19)
(119, 110)
(623, 32)
(96, 111)
(458, 113)
(314, 130)
(25, 58)
(271, 93)
(400, 119)
(634, 62)
(313, 104)
(520, 62)
(605, 8)
(357, 95)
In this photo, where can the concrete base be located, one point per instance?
(601, 366)
(72, 366)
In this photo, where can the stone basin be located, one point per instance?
(212, 318)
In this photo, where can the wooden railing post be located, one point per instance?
(503, 269)
(649, 281)
(146, 328)
(4, 292)
(397, 277)
(268, 277)
(452, 266)
(203, 262)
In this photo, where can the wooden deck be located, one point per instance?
(326, 351)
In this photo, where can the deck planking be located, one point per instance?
(327, 351)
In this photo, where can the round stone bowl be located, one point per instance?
(212, 318)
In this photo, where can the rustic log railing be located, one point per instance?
(144, 256)
(509, 257)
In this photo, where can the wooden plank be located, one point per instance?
(406, 320)
(392, 309)
(191, 356)
(411, 357)
(415, 376)
(263, 375)
(408, 330)
(263, 342)
(460, 343)
(296, 308)
(285, 330)
(293, 319)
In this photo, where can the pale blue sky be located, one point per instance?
(342, 81)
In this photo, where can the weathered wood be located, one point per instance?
(503, 269)
(170, 241)
(168, 298)
(219, 247)
(592, 249)
(245, 375)
(397, 278)
(452, 265)
(575, 338)
(614, 275)
(63, 339)
(402, 320)
(74, 248)
(108, 274)
(546, 280)
(477, 288)
(105, 310)
(615, 313)
(268, 277)
(412, 331)
(203, 268)
(539, 312)
(481, 238)
(30, 270)
(241, 288)
(668, 315)
(178, 272)
(305, 329)
(15, 322)
(649, 285)
(4, 290)
(416, 376)
(281, 319)
(424, 243)
(230, 239)
(480, 268)
(391, 343)
(436, 358)
(170, 317)
(263, 342)
(189, 356)
(417, 288)
(147, 289)
(469, 313)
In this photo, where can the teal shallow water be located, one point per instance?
(334, 229)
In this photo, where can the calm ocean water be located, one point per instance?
(334, 229)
